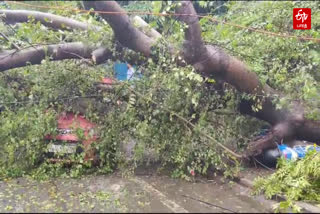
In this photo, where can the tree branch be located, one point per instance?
(13, 44)
(34, 55)
(124, 31)
(47, 19)
(193, 47)
(145, 27)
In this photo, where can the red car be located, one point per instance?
(106, 83)
(67, 141)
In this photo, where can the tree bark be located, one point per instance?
(34, 55)
(145, 27)
(124, 31)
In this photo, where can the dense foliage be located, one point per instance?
(286, 64)
(295, 180)
(155, 108)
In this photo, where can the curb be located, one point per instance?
(306, 207)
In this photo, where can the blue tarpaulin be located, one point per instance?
(121, 71)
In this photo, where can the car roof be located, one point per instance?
(71, 120)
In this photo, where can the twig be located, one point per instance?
(6, 38)
(77, 55)
(225, 112)
(263, 165)
(13, 30)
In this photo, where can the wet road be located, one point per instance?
(116, 194)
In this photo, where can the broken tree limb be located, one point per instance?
(100, 55)
(256, 147)
(34, 55)
(12, 44)
(145, 27)
(60, 22)
(193, 47)
(124, 31)
(47, 19)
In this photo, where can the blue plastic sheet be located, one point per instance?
(121, 72)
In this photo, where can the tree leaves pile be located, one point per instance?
(295, 180)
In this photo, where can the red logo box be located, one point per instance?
(302, 18)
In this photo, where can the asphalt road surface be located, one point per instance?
(133, 194)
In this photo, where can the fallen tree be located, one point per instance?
(209, 61)
(212, 61)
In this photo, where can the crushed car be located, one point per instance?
(67, 143)
(75, 136)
